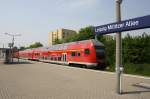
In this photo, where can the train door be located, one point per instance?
(64, 57)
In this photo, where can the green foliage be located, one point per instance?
(35, 45)
(135, 54)
(70, 38)
(138, 69)
(22, 48)
(136, 49)
(86, 33)
(57, 41)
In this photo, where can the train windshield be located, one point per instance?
(100, 52)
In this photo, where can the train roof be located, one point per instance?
(97, 43)
(65, 45)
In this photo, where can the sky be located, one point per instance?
(34, 19)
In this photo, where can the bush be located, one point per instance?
(138, 69)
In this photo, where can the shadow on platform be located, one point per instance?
(135, 92)
(143, 90)
(20, 62)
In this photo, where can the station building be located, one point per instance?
(59, 34)
(2, 52)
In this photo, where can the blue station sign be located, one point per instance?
(126, 25)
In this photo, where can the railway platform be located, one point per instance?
(37, 80)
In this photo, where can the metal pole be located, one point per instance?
(118, 48)
(13, 39)
(12, 45)
(96, 37)
(3, 52)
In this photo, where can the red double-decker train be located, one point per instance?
(88, 53)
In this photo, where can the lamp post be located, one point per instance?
(11, 45)
(119, 68)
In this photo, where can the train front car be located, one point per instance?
(100, 52)
(89, 53)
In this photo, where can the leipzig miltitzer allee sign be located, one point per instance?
(126, 25)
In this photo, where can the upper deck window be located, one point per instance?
(36, 54)
(79, 54)
(73, 54)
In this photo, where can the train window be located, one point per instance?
(59, 58)
(79, 54)
(73, 54)
(87, 51)
(55, 58)
(36, 54)
(45, 58)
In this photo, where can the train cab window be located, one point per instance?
(87, 51)
(79, 54)
(100, 52)
(73, 54)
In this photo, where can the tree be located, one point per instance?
(58, 41)
(136, 49)
(70, 38)
(35, 45)
(15, 49)
(86, 33)
(22, 48)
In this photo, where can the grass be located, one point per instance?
(135, 69)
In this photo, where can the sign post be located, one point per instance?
(118, 27)
(118, 49)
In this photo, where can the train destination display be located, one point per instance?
(127, 25)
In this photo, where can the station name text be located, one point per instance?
(110, 27)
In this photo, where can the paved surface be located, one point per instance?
(35, 80)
